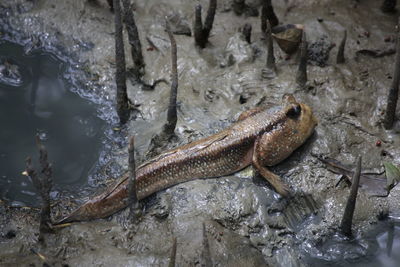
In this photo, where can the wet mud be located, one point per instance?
(245, 222)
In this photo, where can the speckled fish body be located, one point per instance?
(221, 154)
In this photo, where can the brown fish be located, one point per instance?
(261, 137)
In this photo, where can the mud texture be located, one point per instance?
(246, 223)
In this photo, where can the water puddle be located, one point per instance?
(378, 247)
(36, 100)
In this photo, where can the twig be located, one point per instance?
(394, 88)
(301, 76)
(120, 75)
(389, 6)
(347, 219)
(133, 200)
(246, 31)
(172, 118)
(202, 32)
(270, 45)
(172, 259)
(133, 37)
(340, 55)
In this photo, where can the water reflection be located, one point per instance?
(389, 242)
(34, 99)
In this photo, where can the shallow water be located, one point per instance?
(387, 245)
(36, 100)
(377, 247)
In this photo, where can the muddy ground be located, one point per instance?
(246, 223)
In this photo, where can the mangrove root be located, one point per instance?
(43, 183)
(172, 118)
(202, 32)
(270, 46)
(120, 74)
(301, 76)
(159, 141)
(267, 13)
(133, 37)
(340, 55)
(246, 31)
(394, 88)
(347, 219)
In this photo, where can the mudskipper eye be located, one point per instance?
(294, 112)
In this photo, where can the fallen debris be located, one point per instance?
(288, 36)
(374, 184)
(375, 53)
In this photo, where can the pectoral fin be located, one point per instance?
(271, 177)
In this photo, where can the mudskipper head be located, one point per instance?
(301, 116)
(297, 123)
